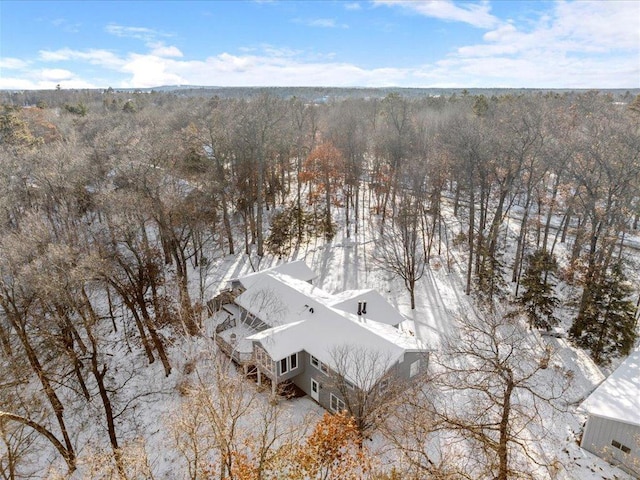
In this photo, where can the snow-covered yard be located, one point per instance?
(350, 263)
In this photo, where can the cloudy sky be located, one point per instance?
(407, 43)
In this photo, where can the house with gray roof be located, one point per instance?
(292, 332)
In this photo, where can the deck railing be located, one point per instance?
(228, 322)
(230, 350)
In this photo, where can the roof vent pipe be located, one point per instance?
(364, 308)
(359, 308)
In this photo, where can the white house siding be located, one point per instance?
(599, 434)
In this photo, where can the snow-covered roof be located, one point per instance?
(328, 335)
(278, 299)
(302, 318)
(296, 269)
(378, 308)
(618, 397)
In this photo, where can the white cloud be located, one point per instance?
(103, 58)
(273, 51)
(321, 23)
(151, 71)
(35, 82)
(611, 24)
(352, 6)
(572, 45)
(55, 74)
(65, 25)
(476, 14)
(577, 44)
(13, 83)
(9, 63)
(161, 50)
(141, 33)
(254, 70)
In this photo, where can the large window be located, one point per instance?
(319, 365)
(288, 363)
(336, 404)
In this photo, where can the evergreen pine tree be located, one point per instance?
(607, 326)
(538, 299)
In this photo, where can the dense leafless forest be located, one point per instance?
(115, 205)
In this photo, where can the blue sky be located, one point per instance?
(87, 44)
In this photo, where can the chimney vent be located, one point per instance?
(359, 308)
(364, 308)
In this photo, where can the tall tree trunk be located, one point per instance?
(503, 442)
(34, 361)
(471, 235)
(90, 318)
(155, 337)
(69, 456)
(520, 244)
(136, 318)
(552, 204)
(260, 201)
(327, 199)
(227, 224)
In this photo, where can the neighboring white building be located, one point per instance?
(612, 430)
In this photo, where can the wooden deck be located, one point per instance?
(240, 357)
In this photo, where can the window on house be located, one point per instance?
(288, 363)
(336, 404)
(414, 368)
(319, 365)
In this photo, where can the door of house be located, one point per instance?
(315, 390)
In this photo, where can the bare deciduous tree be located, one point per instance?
(497, 388)
(401, 249)
(368, 381)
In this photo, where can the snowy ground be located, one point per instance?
(349, 263)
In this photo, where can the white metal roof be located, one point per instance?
(328, 335)
(378, 309)
(296, 269)
(302, 319)
(618, 397)
(280, 299)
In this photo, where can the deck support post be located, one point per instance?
(259, 377)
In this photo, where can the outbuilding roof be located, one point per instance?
(618, 397)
